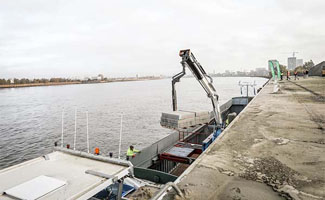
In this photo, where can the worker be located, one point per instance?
(131, 152)
(281, 76)
(288, 75)
(296, 74)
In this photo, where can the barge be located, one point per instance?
(169, 157)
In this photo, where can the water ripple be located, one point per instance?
(30, 118)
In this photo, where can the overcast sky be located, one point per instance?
(55, 38)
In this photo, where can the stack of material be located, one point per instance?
(184, 119)
(202, 117)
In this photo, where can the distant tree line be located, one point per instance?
(305, 66)
(30, 81)
(300, 69)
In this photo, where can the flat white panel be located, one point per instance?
(60, 166)
(35, 188)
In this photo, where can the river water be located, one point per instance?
(30, 118)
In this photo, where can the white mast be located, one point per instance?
(62, 127)
(75, 129)
(87, 133)
(119, 147)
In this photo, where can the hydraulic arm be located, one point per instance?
(188, 60)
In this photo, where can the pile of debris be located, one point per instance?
(280, 177)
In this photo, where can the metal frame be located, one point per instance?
(164, 190)
(86, 195)
(179, 159)
(176, 78)
(275, 69)
(189, 60)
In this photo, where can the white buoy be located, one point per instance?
(119, 147)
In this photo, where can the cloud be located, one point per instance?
(124, 38)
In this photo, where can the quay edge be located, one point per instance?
(274, 150)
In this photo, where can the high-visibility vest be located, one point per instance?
(131, 152)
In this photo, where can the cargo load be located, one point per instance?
(184, 119)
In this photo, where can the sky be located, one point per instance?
(77, 38)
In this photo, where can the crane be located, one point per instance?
(189, 60)
(293, 53)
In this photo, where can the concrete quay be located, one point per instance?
(275, 149)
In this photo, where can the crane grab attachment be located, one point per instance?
(189, 60)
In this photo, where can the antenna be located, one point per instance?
(87, 132)
(119, 147)
(247, 84)
(75, 128)
(62, 127)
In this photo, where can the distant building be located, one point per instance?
(239, 73)
(100, 77)
(95, 78)
(12, 81)
(299, 62)
(292, 63)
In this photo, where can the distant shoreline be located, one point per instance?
(73, 83)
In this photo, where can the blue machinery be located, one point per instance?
(206, 143)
